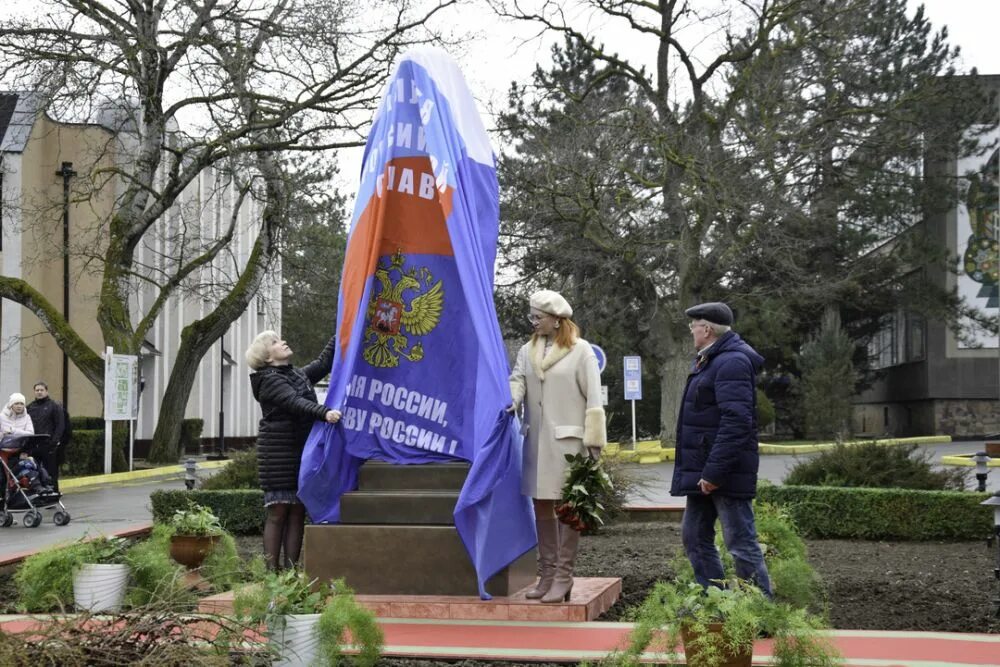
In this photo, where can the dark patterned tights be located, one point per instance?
(284, 526)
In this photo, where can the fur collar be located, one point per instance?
(543, 363)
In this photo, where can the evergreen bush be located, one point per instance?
(191, 435)
(765, 410)
(239, 473)
(828, 379)
(877, 466)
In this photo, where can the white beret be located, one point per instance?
(16, 398)
(551, 302)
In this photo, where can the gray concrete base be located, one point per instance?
(404, 560)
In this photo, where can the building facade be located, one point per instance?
(934, 378)
(39, 157)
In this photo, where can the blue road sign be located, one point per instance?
(602, 359)
(633, 378)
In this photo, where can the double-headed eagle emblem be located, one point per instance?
(388, 315)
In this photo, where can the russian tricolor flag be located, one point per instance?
(420, 371)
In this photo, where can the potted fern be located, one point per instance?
(717, 626)
(196, 532)
(306, 621)
(91, 573)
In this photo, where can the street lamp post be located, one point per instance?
(66, 172)
(981, 459)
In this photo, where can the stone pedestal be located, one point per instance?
(397, 537)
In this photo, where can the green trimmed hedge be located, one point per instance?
(85, 452)
(240, 511)
(882, 514)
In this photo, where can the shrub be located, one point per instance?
(85, 452)
(765, 410)
(87, 423)
(878, 466)
(239, 473)
(882, 514)
(240, 511)
(191, 435)
(156, 577)
(828, 378)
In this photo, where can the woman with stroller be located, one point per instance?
(290, 408)
(14, 418)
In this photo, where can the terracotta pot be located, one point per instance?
(692, 652)
(191, 550)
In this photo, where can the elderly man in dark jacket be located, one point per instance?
(716, 456)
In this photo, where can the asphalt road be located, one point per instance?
(774, 468)
(94, 512)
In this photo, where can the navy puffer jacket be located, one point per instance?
(717, 425)
(288, 403)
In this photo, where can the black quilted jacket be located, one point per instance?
(289, 406)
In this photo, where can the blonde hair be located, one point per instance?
(258, 353)
(566, 334)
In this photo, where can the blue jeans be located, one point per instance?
(738, 533)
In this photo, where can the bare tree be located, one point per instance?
(197, 85)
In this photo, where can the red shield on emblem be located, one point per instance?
(387, 316)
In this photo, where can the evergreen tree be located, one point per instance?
(765, 172)
(828, 379)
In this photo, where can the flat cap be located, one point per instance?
(715, 312)
(551, 302)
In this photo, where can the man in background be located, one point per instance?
(49, 418)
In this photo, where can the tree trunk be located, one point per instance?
(673, 374)
(199, 336)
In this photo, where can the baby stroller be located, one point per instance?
(21, 497)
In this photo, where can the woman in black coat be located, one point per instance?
(289, 406)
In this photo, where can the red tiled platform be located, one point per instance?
(591, 597)
(576, 642)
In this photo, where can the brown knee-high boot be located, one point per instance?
(569, 541)
(548, 550)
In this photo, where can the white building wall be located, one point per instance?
(10, 312)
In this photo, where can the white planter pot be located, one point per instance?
(100, 587)
(298, 643)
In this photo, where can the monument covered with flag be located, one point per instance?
(420, 370)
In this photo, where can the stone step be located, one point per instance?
(406, 507)
(404, 560)
(376, 475)
(591, 597)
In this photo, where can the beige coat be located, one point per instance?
(561, 394)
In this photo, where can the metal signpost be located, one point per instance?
(602, 362)
(633, 385)
(120, 389)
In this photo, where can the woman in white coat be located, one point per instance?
(14, 418)
(557, 381)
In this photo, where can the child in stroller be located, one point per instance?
(30, 476)
(27, 487)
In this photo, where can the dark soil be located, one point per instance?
(927, 586)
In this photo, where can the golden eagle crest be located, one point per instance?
(387, 314)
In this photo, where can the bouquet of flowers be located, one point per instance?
(585, 486)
